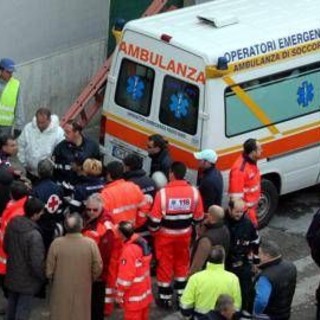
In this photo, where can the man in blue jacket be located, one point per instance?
(275, 285)
(211, 182)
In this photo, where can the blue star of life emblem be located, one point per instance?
(179, 105)
(135, 87)
(305, 94)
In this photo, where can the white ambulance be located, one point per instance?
(214, 75)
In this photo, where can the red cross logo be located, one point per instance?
(53, 203)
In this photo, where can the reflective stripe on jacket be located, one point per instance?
(245, 181)
(124, 201)
(8, 102)
(133, 286)
(175, 208)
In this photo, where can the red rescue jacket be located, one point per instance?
(175, 208)
(133, 286)
(245, 181)
(13, 209)
(103, 232)
(124, 201)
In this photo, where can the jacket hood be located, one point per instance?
(134, 174)
(52, 126)
(22, 225)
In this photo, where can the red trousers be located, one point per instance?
(112, 276)
(141, 314)
(173, 260)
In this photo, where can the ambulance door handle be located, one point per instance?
(203, 115)
(111, 79)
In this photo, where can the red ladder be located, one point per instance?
(84, 109)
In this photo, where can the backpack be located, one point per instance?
(313, 237)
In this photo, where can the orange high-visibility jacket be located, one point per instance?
(124, 201)
(133, 286)
(245, 181)
(175, 208)
(13, 209)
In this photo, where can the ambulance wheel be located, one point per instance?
(268, 202)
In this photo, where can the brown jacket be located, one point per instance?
(73, 262)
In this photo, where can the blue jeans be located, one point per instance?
(19, 306)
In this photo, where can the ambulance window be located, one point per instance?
(275, 98)
(134, 87)
(179, 105)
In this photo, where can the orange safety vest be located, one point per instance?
(175, 208)
(133, 285)
(245, 181)
(124, 201)
(12, 210)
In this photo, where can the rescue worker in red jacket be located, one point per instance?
(15, 207)
(99, 227)
(124, 201)
(245, 178)
(176, 207)
(133, 286)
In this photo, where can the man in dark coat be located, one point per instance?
(26, 256)
(133, 172)
(6, 179)
(224, 309)
(51, 194)
(313, 239)
(212, 232)
(244, 246)
(211, 182)
(275, 284)
(157, 148)
(71, 152)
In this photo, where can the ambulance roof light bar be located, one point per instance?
(117, 29)
(218, 21)
(219, 70)
(119, 24)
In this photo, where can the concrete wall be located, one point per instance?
(57, 44)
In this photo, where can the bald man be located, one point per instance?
(212, 232)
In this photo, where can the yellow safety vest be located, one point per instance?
(8, 102)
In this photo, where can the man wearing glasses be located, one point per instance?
(98, 226)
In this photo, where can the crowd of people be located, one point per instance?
(90, 235)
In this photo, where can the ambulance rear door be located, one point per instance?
(156, 87)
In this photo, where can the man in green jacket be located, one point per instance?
(11, 111)
(204, 287)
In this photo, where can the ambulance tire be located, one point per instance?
(268, 202)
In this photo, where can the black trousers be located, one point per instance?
(244, 273)
(97, 300)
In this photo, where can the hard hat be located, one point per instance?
(7, 64)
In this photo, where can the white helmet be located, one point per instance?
(160, 179)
